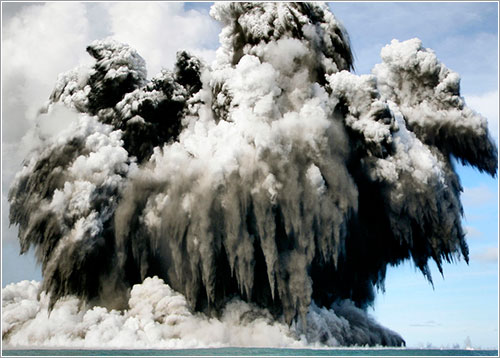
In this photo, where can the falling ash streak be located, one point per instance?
(276, 176)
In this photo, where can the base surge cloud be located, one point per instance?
(255, 201)
(159, 317)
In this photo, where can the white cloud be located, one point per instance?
(38, 43)
(429, 323)
(478, 196)
(472, 232)
(487, 105)
(157, 30)
(489, 254)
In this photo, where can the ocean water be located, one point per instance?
(251, 352)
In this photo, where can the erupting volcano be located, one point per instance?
(274, 179)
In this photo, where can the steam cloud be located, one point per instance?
(271, 190)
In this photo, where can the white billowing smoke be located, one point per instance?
(270, 190)
(157, 317)
(160, 318)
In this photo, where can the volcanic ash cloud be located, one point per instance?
(272, 188)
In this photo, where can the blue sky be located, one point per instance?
(464, 36)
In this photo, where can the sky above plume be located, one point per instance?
(39, 41)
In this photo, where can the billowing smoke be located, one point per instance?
(158, 317)
(274, 182)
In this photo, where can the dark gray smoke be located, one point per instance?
(276, 175)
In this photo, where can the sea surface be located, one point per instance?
(251, 352)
